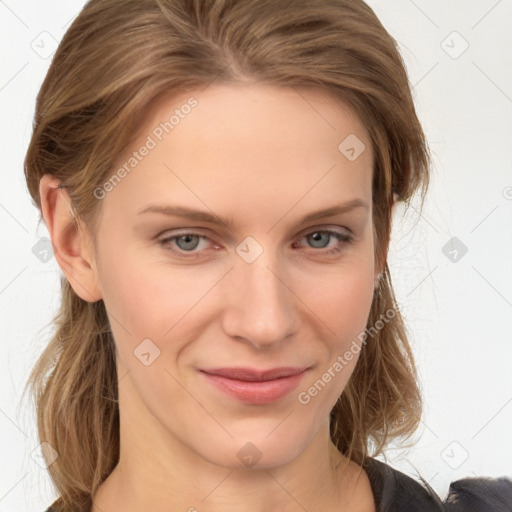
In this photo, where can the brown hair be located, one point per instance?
(118, 57)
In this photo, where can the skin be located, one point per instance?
(263, 157)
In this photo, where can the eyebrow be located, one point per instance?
(204, 216)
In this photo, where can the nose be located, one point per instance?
(262, 309)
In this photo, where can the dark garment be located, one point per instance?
(395, 491)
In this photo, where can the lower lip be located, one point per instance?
(263, 392)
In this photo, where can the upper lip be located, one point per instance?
(254, 374)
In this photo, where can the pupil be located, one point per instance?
(318, 236)
(187, 239)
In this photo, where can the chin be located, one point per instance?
(255, 452)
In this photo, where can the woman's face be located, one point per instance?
(267, 290)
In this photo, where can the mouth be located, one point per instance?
(253, 386)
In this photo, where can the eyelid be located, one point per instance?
(325, 227)
(205, 233)
(344, 238)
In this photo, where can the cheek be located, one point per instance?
(146, 298)
(149, 306)
(151, 300)
(340, 295)
(339, 299)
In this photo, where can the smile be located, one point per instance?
(256, 387)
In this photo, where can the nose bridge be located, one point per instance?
(262, 309)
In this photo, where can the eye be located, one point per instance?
(186, 243)
(319, 237)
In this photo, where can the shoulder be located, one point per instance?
(395, 491)
(480, 494)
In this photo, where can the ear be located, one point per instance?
(380, 269)
(71, 242)
(394, 205)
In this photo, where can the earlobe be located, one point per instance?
(394, 206)
(379, 269)
(70, 241)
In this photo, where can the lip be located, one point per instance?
(255, 386)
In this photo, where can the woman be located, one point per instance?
(218, 180)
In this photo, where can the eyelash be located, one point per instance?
(342, 237)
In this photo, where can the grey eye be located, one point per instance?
(187, 242)
(317, 236)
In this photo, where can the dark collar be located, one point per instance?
(394, 491)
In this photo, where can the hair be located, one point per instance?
(120, 56)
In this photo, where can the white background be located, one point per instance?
(459, 314)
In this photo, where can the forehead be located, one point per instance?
(248, 143)
(252, 113)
